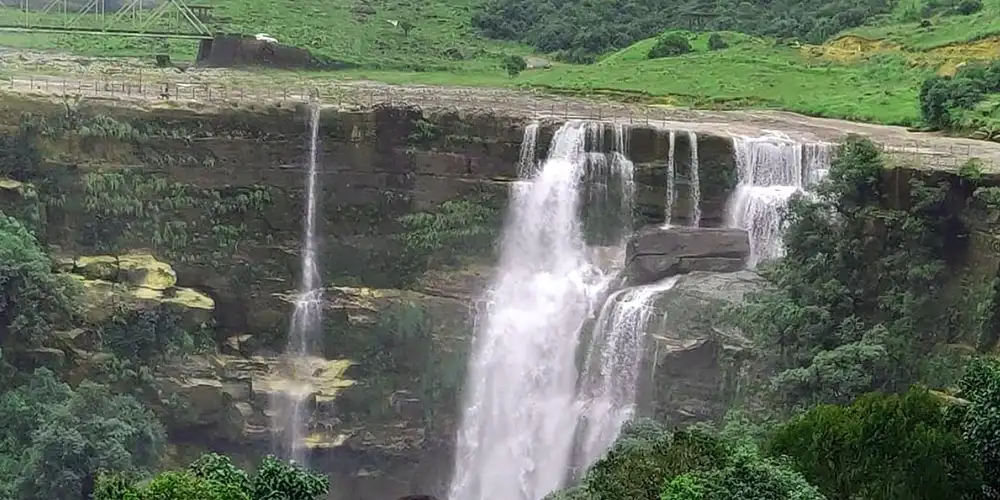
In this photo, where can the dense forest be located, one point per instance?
(554, 25)
(855, 328)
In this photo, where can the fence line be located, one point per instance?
(361, 95)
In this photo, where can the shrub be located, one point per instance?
(669, 45)
(715, 42)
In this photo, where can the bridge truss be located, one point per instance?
(140, 18)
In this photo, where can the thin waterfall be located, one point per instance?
(771, 170)
(695, 181)
(290, 406)
(520, 413)
(671, 187)
(611, 373)
(526, 165)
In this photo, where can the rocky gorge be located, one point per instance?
(195, 213)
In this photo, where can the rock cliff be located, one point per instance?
(200, 211)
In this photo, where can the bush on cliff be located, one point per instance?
(34, 301)
(855, 304)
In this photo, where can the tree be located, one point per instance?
(980, 419)
(214, 477)
(746, 476)
(62, 437)
(34, 301)
(881, 447)
(854, 305)
(668, 45)
(715, 42)
(514, 65)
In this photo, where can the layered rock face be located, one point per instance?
(657, 253)
(201, 209)
(694, 360)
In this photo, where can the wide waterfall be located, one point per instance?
(771, 169)
(289, 406)
(521, 411)
(611, 374)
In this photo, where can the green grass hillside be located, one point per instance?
(856, 59)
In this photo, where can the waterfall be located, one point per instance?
(305, 330)
(695, 181)
(526, 164)
(771, 169)
(671, 188)
(515, 441)
(611, 372)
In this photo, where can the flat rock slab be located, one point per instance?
(660, 252)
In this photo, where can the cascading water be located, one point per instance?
(526, 165)
(671, 186)
(520, 417)
(289, 406)
(771, 169)
(611, 373)
(695, 181)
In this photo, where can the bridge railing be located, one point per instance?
(915, 152)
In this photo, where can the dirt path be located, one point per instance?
(146, 85)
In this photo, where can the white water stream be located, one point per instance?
(521, 410)
(289, 407)
(771, 170)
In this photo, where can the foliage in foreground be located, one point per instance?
(882, 447)
(649, 462)
(214, 477)
(56, 437)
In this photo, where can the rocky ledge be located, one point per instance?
(659, 252)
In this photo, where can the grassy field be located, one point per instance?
(866, 84)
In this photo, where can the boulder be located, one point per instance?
(696, 359)
(659, 252)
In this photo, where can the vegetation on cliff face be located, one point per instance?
(853, 327)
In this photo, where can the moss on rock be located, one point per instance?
(139, 269)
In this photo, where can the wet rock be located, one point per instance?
(696, 359)
(233, 394)
(656, 252)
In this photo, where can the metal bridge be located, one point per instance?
(139, 18)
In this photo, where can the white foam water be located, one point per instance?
(520, 413)
(771, 170)
(668, 215)
(694, 181)
(611, 373)
(291, 414)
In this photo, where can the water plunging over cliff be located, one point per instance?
(519, 422)
(694, 181)
(671, 182)
(611, 374)
(771, 169)
(289, 406)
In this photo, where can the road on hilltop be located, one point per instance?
(147, 84)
